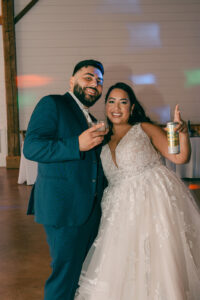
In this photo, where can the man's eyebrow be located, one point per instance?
(93, 75)
(89, 74)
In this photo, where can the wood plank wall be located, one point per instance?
(133, 38)
(156, 38)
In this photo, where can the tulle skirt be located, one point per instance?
(148, 246)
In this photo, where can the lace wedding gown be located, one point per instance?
(148, 246)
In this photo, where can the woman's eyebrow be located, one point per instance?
(113, 98)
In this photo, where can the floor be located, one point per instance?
(24, 258)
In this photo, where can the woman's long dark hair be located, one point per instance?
(138, 114)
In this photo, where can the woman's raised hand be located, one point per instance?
(182, 126)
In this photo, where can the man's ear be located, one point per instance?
(71, 83)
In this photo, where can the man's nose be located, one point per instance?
(94, 82)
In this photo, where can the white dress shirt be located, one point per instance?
(84, 109)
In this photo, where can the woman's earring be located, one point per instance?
(132, 109)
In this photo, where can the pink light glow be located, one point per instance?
(27, 81)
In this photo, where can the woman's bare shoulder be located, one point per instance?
(152, 129)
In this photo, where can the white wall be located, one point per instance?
(158, 39)
(3, 119)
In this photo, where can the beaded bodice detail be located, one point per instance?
(134, 154)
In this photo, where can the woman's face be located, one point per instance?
(118, 107)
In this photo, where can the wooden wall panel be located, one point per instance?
(131, 37)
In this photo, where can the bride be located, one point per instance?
(148, 246)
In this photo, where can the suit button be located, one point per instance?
(93, 180)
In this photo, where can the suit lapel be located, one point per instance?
(76, 111)
(92, 117)
(79, 115)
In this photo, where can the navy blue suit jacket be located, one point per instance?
(68, 180)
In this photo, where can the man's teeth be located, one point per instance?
(90, 91)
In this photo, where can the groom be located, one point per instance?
(67, 193)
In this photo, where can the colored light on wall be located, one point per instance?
(163, 113)
(116, 7)
(27, 81)
(144, 35)
(143, 79)
(192, 77)
(26, 98)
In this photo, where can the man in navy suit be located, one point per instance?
(69, 186)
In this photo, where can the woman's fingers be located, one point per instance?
(182, 126)
(177, 114)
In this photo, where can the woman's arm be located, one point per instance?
(158, 138)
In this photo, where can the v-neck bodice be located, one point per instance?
(134, 153)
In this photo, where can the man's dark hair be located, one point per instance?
(86, 63)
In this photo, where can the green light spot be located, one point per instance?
(26, 99)
(192, 77)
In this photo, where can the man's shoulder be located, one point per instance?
(57, 97)
(54, 98)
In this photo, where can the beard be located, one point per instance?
(83, 97)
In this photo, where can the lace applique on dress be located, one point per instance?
(149, 239)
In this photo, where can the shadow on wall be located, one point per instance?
(154, 104)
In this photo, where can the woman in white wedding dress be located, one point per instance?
(148, 246)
